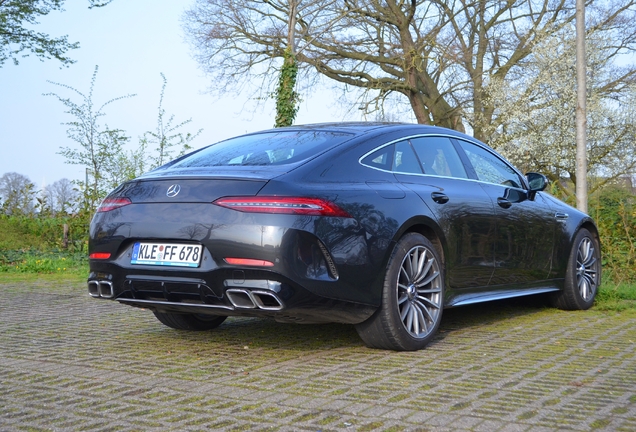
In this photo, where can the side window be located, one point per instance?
(382, 158)
(439, 157)
(398, 157)
(490, 168)
(404, 160)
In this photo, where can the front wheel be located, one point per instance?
(196, 322)
(412, 298)
(583, 275)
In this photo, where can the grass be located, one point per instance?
(31, 261)
(32, 246)
(616, 297)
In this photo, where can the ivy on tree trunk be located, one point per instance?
(286, 97)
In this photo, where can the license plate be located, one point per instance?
(167, 254)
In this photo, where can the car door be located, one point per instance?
(430, 166)
(525, 226)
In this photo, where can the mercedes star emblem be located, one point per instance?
(173, 190)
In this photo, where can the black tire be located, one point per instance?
(583, 275)
(195, 322)
(412, 298)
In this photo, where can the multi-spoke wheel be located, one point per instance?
(583, 275)
(195, 322)
(419, 292)
(412, 299)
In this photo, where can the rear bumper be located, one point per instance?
(255, 293)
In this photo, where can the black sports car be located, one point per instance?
(378, 225)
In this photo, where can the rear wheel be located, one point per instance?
(412, 298)
(583, 275)
(196, 322)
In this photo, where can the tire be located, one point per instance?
(583, 274)
(412, 298)
(195, 322)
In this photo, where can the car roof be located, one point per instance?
(361, 127)
(348, 126)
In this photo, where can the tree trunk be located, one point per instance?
(286, 97)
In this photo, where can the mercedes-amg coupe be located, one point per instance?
(377, 225)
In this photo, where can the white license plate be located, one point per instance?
(167, 254)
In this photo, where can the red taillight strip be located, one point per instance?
(283, 205)
(99, 255)
(249, 262)
(113, 203)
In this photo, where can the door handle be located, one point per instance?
(561, 216)
(504, 203)
(439, 197)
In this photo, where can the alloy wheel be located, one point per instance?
(419, 292)
(587, 269)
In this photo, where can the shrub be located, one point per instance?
(614, 210)
(43, 233)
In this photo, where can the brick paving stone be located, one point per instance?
(70, 362)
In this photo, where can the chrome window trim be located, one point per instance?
(438, 176)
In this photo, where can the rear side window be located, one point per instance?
(398, 157)
(381, 158)
(404, 160)
(271, 148)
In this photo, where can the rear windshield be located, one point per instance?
(270, 148)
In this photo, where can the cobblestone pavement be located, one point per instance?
(70, 362)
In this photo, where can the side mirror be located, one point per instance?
(537, 182)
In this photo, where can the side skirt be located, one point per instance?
(490, 294)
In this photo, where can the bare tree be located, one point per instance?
(166, 136)
(61, 196)
(439, 56)
(246, 41)
(101, 148)
(17, 193)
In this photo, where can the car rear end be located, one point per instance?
(206, 235)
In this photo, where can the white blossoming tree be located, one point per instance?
(535, 125)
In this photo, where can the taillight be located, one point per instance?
(113, 203)
(283, 205)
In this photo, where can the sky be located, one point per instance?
(132, 42)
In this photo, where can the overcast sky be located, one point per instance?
(132, 42)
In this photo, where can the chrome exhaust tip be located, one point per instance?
(93, 288)
(253, 299)
(240, 298)
(103, 289)
(266, 300)
(106, 289)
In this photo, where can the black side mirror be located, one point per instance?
(537, 182)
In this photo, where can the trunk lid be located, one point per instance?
(190, 190)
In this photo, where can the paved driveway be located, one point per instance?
(70, 362)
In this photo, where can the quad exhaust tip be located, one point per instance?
(253, 299)
(240, 298)
(101, 288)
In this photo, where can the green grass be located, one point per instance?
(31, 261)
(616, 297)
(32, 245)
